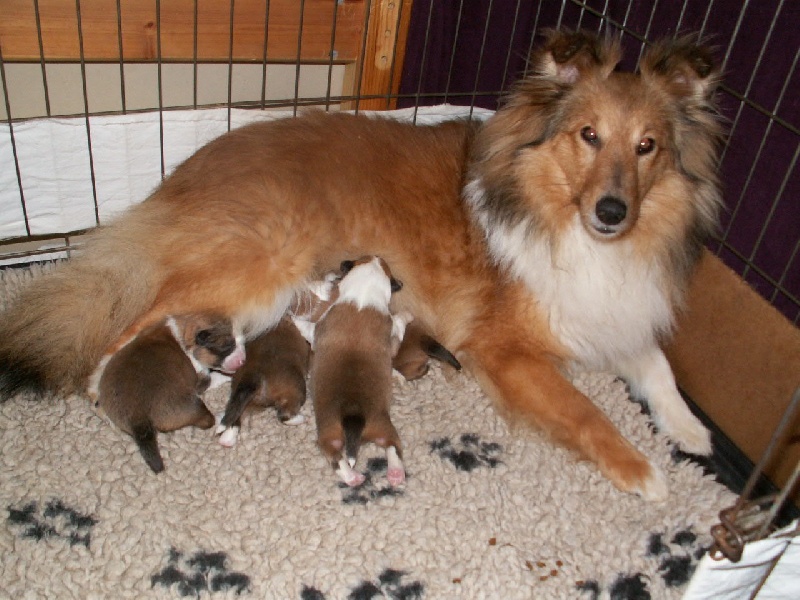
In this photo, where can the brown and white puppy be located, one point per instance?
(154, 382)
(273, 375)
(417, 348)
(351, 369)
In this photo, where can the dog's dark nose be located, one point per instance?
(610, 210)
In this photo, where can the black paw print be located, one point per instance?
(676, 568)
(625, 587)
(390, 584)
(375, 485)
(56, 521)
(201, 572)
(469, 452)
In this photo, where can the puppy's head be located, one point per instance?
(347, 265)
(211, 340)
(367, 282)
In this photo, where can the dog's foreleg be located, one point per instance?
(650, 378)
(528, 386)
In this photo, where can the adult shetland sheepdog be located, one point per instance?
(561, 232)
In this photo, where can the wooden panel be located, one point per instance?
(385, 49)
(59, 25)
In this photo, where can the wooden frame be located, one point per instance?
(215, 31)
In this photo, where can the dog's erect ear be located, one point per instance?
(397, 285)
(683, 66)
(570, 55)
(346, 266)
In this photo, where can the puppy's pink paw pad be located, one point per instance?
(396, 476)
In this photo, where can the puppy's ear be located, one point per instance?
(346, 266)
(397, 285)
(684, 67)
(570, 55)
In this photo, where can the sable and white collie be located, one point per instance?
(559, 233)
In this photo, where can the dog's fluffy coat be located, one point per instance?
(560, 232)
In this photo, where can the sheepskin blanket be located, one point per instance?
(488, 511)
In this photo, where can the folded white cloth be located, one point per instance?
(768, 570)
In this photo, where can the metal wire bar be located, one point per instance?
(418, 95)
(13, 142)
(331, 55)
(480, 58)
(86, 112)
(194, 56)
(160, 89)
(647, 30)
(452, 49)
(38, 18)
(299, 56)
(510, 46)
(362, 55)
(393, 65)
(121, 58)
(264, 56)
(230, 64)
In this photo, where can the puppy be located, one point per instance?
(351, 369)
(154, 382)
(274, 375)
(417, 348)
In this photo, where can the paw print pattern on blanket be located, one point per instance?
(56, 521)
(201, 572)
(391, 584)
(374, 485)
(676, 559)
(468, 452)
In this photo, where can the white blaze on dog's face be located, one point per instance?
(367, 283)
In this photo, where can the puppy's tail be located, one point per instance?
(435, 350)
(353, 426)
(144, 434)
(60, 323)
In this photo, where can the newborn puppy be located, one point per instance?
(154, 382)
(417, 348)
(351, 369)
(274, 375)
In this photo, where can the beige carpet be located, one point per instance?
(485, 513)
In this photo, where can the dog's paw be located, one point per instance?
(689, 434)
(653, 488)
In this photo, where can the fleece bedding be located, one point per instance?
(488, 510)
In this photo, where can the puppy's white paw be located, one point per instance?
(348, 474)
(298, 419)
(229, 437)
(218, 379)
(395, 473)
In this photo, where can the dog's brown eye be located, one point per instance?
(646, 146)
(589, 134)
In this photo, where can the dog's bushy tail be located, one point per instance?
(145, 436)
(57, 328)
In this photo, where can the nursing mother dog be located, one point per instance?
(560, 233)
